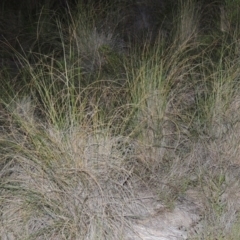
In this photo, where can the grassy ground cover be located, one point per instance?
(90, 116)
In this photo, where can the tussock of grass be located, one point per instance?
(70, 183)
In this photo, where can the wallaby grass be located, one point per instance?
(88, 123)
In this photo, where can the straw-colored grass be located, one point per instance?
(88, 126)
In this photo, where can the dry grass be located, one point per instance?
(63, 184)
(93, 130)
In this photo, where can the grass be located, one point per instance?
(89, 120)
